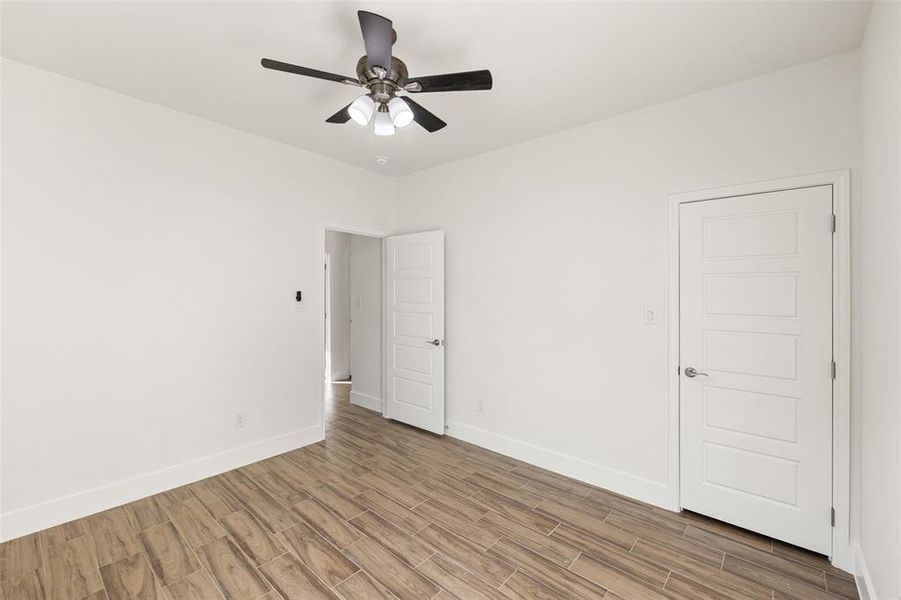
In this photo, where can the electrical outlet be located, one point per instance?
(480, 406)
(240, 420)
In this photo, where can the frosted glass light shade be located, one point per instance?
(361, 110)
(383, 123)
(400, 112)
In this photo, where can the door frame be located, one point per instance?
(842, 552)
(320, 307)
(327, 314)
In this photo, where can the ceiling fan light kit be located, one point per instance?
(385, 76)
(400, 112)
(383, 123)
(361, 110)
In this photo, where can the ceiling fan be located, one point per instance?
(384, 76)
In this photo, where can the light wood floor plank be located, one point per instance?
(615, 580)
(458, 581)
(567, 583)
(251, 537)
(783, 585)
(337, 501)
(61, 534)
(515, 511)
(294, 581)
(492, 569)
(392, 511)
(71, 572)
(169, 555)
(522, 587)
(323, 559)
(20, 556)
(194, 522)
(28, 586)
(231, 571)
(274, 515)
(399, 542)
(453, 521)
(215, 498)
(771, 561)
(196, 586)
(711, 576)
(327, 524)
(130, 579)
(111, 536)
(551, 548)
(363, 587)
(145, 513)
(391, 572)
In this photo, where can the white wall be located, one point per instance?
(554, 246)
(366, 317)
(149, 263)
(879, 387)
(337, 244)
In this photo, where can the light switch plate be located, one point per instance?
(649, 315)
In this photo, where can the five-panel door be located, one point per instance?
(414, 320)
(756, 362)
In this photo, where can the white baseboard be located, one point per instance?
(862, 577)
(340, 375)
(366, 401)
(639, 488)
(80, 504)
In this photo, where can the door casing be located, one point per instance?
(842, 551)
(320, 307)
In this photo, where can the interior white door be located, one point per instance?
(756, 325)
(414, 320)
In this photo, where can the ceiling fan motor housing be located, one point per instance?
(384, 88)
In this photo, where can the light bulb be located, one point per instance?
(383, 123)
(401, 115)
(361, 110)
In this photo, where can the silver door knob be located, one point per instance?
(435, 342)
(692, 372)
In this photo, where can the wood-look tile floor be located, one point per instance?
(381, 510)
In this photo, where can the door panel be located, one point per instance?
(756, 322)
(415, 317)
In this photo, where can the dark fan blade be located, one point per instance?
(377, 37)
(429, 122)
(453, 82)
(297, 70)
(342, 116)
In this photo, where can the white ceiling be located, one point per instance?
(555, 65)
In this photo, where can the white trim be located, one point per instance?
(320, 306)
(652, 492)
(2, 530)
(80, 504)
(842, 552)
(366, 401)
(865, 588)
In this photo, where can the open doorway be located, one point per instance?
(352, 302)
(387, 327)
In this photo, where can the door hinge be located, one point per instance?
(833, 517)
(833, 223)
(834, 370)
